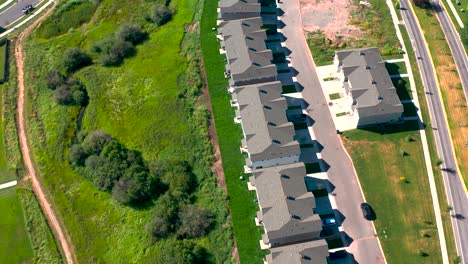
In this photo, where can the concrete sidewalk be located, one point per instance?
(8, 184)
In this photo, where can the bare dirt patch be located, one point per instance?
(329, 16)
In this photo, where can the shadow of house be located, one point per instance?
(382, 129)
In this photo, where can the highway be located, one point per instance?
(453, 184)
(455, 44)
(14, 12)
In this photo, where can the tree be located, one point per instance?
(95, 141)
(397, 4)
(76, 155)
(193, 221)
(63, 95)
(134, 187)
(163, 217)
(131, 33)
(161, 14)
(54, 79)
(74, 59)
(180, 251)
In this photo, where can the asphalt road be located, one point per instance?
(455, 191)
(15, 11)
(454, 42)
(364, 245)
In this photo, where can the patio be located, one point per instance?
(338, 102)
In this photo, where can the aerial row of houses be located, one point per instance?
(293, 232)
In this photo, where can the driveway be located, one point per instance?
(15, 12)
(365, 246)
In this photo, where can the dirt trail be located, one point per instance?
(25, 151)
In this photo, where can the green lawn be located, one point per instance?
(396, 68)
(405, 218)
(378, 31)
(141, 104)
(402, 86)
(3, 57)
(334, 96)
(241, 201)
(15, 246)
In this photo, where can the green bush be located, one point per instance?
(113, 168)
(160, 15)
(75, 59)
(131, 33)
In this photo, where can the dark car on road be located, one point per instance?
(367, 211)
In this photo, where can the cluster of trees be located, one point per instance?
(67, 91)
(115, 48)
(173, 213)
(113, 168)
(160, 14)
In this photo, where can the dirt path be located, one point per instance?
(25, 151)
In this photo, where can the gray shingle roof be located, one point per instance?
(248, 57)
(286, 205)
(268, 133)
(313, 252)
(369, 82)
(237, 9)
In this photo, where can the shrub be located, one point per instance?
(63, 95)
(131, 33)
(161, 14)
(180, 251)
(54, 79)
(193, 221)
(76, 155)
(422, 3)
(74, 59)
(94, 143)
(112, 51)
(164, 215)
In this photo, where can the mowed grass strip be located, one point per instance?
(392, 172)
(15, 246)
(241, 201)
(450, 85)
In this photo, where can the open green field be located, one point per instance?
(241, 201)
(396, 185)
(147, 104)
(377, 28)
(15, 246)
